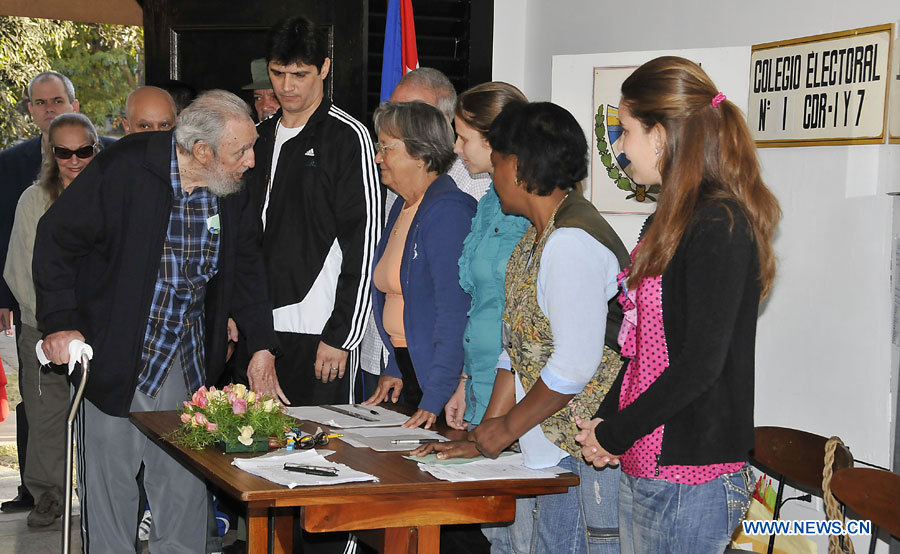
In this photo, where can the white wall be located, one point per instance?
(825, 361)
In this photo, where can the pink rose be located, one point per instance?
(239, 406)
(231, 397)
(211, 426)
(199, 398)
(200, 419)
(185, 417)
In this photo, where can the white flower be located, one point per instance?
(251, 397)
(246, 437)
(240, 390)
(269, 405)
(217, 396)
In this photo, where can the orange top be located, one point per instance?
(386, 276)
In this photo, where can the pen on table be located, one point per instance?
(311, 470)
(414, 441)
(373, 412)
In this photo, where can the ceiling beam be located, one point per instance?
(118, 12)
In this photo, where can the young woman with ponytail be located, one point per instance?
(679, 418)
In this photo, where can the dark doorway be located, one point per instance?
(209, 44)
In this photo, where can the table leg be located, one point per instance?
(257, 530)
(284, 531)
(425, 539)
(429, 539)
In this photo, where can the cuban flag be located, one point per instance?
(400, 55)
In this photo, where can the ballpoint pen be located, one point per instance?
(359, 407)
(414, 441)
(311, 470)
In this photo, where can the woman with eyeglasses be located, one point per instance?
(420, 309)
(72, 143)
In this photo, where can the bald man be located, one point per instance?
(149, 109)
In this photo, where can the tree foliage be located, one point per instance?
(105, 62)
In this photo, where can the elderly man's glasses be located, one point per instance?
(84, 152)
(380, 148)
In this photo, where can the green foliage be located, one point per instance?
(105, 62)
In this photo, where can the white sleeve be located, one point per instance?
(576, 280)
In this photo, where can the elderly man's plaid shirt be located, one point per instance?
(190, 259)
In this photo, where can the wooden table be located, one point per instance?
(406, 506)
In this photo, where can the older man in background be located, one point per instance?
(144, 257)
(149, 109)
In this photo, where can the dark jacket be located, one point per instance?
(96, 261)
(326, 188)
(19, 168)
(435, 307)
(710, 296)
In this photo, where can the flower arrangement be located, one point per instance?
(230, 414)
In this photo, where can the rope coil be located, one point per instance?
(832, 506)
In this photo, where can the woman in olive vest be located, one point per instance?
(554, 367)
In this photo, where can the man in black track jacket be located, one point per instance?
(317, 191)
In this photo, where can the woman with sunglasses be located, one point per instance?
(420, 309)
(72, 143)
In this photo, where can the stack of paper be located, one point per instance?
(510, 466)
(271, 466)
(348, 415)
(381, 439)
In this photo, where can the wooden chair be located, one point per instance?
(873, 494)
(796, 457)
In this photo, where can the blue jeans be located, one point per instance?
(660, 516)
(584, 519)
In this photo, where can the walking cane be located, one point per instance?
(78, 351)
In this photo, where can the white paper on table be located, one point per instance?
(506, 467)
(318, 414)
(379, 438)
(271, 466)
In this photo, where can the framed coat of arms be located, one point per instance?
(613, 188)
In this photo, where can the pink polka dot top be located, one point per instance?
(643, 340)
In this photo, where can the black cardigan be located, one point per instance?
(710, 297)
(96, 259)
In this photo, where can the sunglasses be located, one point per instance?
(84, 152)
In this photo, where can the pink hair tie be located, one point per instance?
(718, 99)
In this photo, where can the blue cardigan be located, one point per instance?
(435, 307)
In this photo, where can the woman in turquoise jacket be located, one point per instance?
(486, 250)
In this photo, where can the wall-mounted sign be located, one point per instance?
(821, 90)
(894, 79)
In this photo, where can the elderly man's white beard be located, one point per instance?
(220, 183)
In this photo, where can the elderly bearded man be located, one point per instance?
(145, 256)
